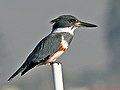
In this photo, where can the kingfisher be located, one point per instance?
(54, 45)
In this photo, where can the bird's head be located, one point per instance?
(69, 21)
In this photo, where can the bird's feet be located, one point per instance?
(55, 62)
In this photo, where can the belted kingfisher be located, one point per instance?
(54, 45)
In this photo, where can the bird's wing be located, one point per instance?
(47, 46)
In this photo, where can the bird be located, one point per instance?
(54, 44)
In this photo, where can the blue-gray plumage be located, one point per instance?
(53, 45)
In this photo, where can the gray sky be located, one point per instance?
(23, 23)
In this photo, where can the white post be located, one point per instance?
(57, 76)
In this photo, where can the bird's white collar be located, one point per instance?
(65, 29)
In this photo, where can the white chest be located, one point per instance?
(64, 43)
(59, 52)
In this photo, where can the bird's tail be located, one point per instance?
(17, 72)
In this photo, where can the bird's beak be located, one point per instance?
(84, 24)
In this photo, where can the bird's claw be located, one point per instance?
(55, 62)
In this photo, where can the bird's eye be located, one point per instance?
(72, 20)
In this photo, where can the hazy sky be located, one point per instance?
(23, 23)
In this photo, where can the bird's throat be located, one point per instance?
(65, 29)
